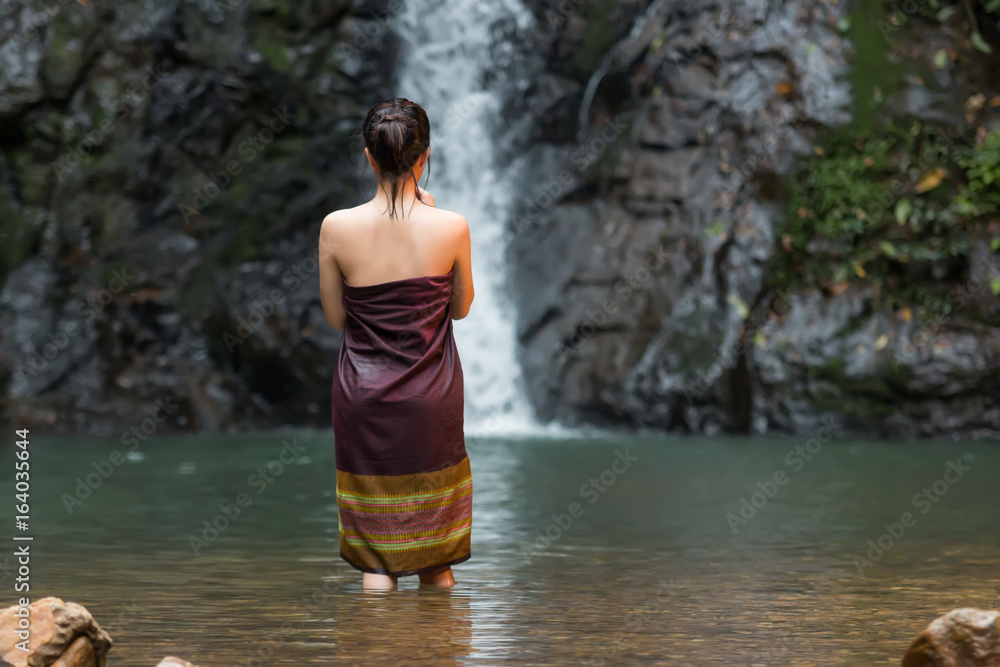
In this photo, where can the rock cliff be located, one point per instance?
(643, 248)
(163, 171)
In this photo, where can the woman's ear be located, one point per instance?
(371, 160)
(423, 158)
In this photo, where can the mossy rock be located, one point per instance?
(68, 37)
(268, 39)
(18, 235)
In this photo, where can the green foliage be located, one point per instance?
(982, 168)
(898, 212)
(827, 197)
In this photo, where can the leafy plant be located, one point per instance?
(898, 212)
(982, 169)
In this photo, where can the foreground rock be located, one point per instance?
(171, 661)
(79, 654)
(62, 634)
(961, 638)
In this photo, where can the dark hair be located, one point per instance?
(396, 133)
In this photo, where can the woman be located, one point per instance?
(393, 274)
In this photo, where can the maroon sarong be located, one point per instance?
(404, 485)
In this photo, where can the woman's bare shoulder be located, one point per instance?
(346, 214)
(346, 219)
(342, 223)
(451, 219)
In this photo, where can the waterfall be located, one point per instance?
(448, 51)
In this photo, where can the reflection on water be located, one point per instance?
(429, 623)
(604, 550)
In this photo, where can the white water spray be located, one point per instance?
(448, 49)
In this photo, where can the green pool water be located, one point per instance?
(602, 550)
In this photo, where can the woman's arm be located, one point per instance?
(462, 290)
(330, 281)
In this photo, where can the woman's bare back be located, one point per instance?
(367, 247)
(376, 249)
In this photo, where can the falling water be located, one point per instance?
(445, 68)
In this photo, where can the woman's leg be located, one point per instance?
(379, 582)
(439, 578)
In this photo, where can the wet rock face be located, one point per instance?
(682, 140)
(877, 372)
(674, 141)
(961, 638)
(62, 634)
(164, 167)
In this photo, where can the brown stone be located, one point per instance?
(79, 654)
(961, 638)
(171, 661)
(55, 628)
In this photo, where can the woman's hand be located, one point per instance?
(425, 196)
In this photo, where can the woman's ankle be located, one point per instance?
(380, 582)
(440, 578)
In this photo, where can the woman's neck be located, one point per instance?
(405, 197)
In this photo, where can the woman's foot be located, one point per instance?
(378, 582)
(439, 578)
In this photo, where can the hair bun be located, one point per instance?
(396, 133)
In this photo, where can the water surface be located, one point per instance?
(649, 569)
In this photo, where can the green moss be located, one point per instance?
(873, 77)
(601, 158)
(199, 289)
(869, 396)
(267, 42)
(17, 236)
(599, 34)
(66, 36)
(284, 8)
(871, 386)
